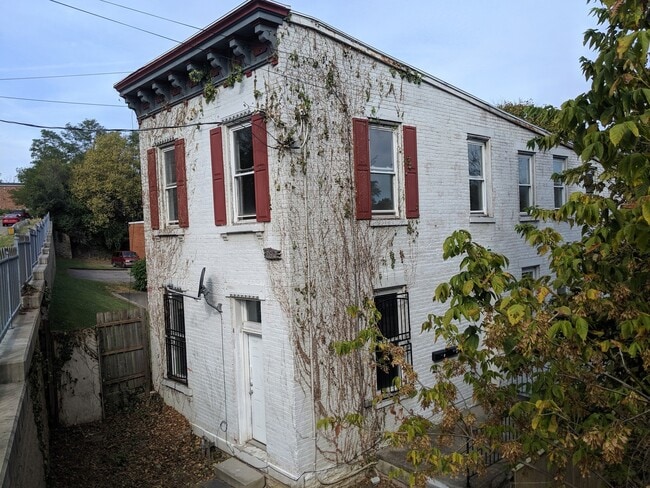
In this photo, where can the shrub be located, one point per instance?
(139, 274)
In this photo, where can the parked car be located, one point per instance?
(124, 259)
(11, 219)
(24, 214)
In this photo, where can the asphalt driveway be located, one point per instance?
(105, 275)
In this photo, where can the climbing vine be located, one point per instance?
(326, 287)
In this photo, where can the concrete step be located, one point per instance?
(239, 475)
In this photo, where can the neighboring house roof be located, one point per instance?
(247, 33)
(6, 195)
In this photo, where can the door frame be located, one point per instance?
(244, 410)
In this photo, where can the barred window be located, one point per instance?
(395, 326)
(175, 338)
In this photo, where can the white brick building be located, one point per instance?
(319, 174)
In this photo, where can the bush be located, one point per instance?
(139, 274)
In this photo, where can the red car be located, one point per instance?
(11, 219)
(124, 259)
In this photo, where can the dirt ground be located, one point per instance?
(148, 446)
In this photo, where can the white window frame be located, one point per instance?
(483, 178)
(558, 186)
(530, 185)
(385, 171)
(532, 271)
(237, 175)
(169, 187)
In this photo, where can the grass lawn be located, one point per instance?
(75, 302)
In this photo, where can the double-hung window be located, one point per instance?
(378, 172)
(476, 154)
(559, 190)
(249, 172)
(166, 167)
(175, 337)
(526, 196)
(170, 184)
(395, 326)
(244, 176)
(382, 169)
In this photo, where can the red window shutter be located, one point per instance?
(153, 188)
(361, 142)
(411, 173)
(181, 183)
(261, 169)
(218, 180)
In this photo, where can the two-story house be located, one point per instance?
(307, 173)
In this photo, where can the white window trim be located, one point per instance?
(397, 204)
(237, 218)
(531, 178)
(483, 142)
(533, 270)
(168, 187)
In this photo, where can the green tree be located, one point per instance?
(565, 357)
(541, 116)
(46, 182)
(107, 181)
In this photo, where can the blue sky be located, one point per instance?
(496, 50)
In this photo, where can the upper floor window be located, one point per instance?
(249, 172)
(378, 172)
(244, 176)
(170, 184)
(525, 182)
(166, 167)
(559, 190)
(476, 155)
(382, 169)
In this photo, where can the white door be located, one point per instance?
(256, 391)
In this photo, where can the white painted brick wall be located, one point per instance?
(235, 264)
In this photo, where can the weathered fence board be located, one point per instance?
(124, 356)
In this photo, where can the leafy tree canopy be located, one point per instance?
(541, 116)
(87, 179)
(107, 180)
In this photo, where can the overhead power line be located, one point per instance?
(82, 129)
(116, 21)
(151, 15)
(64, 102)
(46, 77)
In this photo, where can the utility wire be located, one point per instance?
(151, 15)
(116, 21)
(64, 102)
(82, 129)
(64, 76)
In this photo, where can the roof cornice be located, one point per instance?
(243, 39)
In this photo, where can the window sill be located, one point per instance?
(169, 232)
(256, 228)
(481, 219)
(388, 222)
(179, 387)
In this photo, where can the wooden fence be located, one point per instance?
(123, 344)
